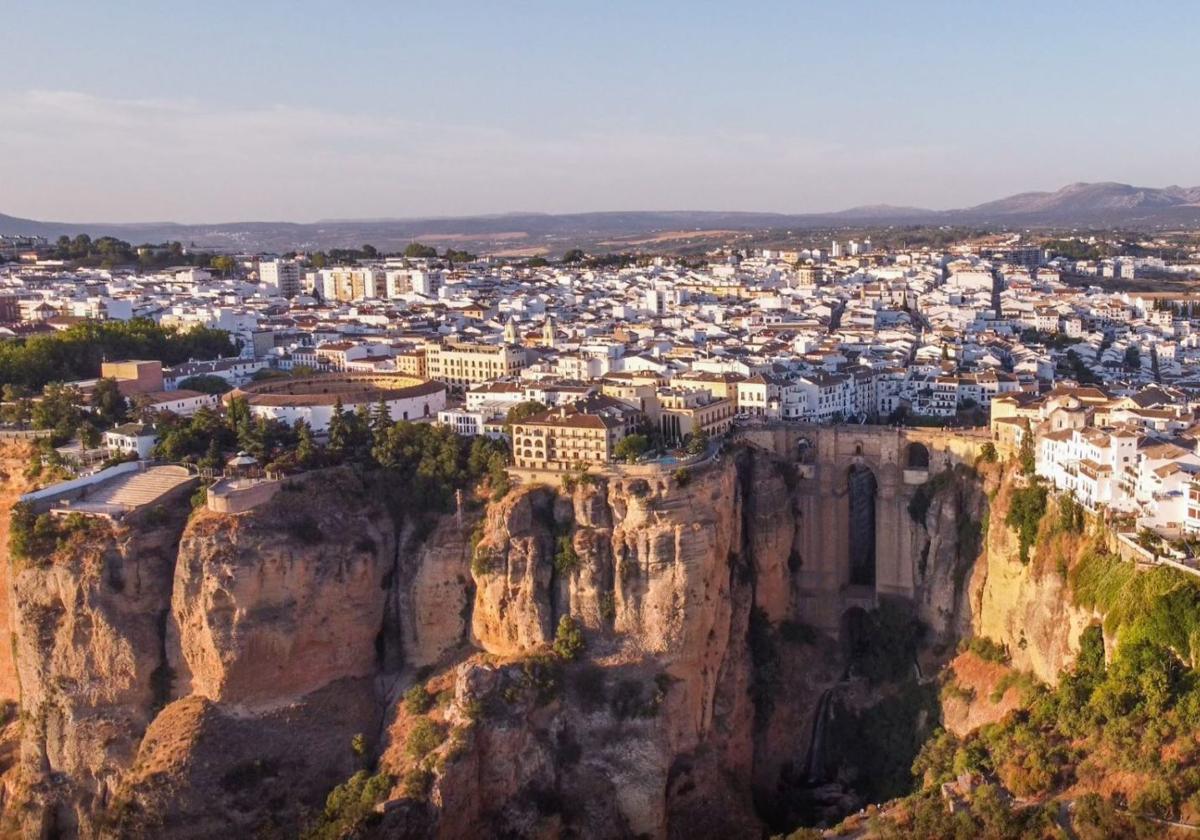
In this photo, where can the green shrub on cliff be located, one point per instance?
(1132, 717)
(1026, 454)
(1160, 606)
(566, 559)
(987, 649)
(568, 638)
(417, 700)
(1072, 517)
(424, 737)
(988, 454)
(32, 538)
(1025, 511)
(349, 806)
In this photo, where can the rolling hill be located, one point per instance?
(1105, 204)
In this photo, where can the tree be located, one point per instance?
(306, 445)
(631, 447)
(89, 436)
(239, 413)
(1025, 511)
(575, 255)
(17, 408)
(1071, 514)
(417, 251)
(568, 638)
(381, 419)
(698, 443)
(213, 457)
(206, 383)
(108, 404)
(339, 432)
(78, 351)
(1133, 357)
(58, 410)
(489, 457)
(223, 263)
(1026, 455)
(453, 256)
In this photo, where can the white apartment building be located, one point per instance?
(281, 277)
(1099, 466)
(349, 284)
(471, 423)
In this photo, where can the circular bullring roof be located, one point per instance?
(328, 388)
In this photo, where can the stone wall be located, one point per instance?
(227, 497)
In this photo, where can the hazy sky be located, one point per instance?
(297, 110)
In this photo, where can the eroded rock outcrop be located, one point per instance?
(270, 606)
(953, 513)
(191, 677)
(655, 730)
(1027, 607)
(89, 638)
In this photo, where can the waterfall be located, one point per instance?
(813, 764)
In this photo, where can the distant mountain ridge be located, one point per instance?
(1091, 201)
(1104, 204)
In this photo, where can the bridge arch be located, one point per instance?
(847, 476)
(916, 456)
(862, 490)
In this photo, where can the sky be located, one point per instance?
(299, 110)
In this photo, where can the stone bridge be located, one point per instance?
(856, 540)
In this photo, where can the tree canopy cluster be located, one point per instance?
(417, 251)
(109, 252)
(1076, 249)
(413, 251)
(420, 465)
(61, 411)
(76, 352)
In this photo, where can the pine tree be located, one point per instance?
(339, 431)
(1027, 457)
(306, 446)
(381, 420)
(212, 457)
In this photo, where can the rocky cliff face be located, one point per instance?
(273, 606)
(661, 578)
(205, 674)
(14, 462)
(168, 664)
(1028, 606)
(88, 637)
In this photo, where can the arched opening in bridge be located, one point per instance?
(861, 487)
(916, 457)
